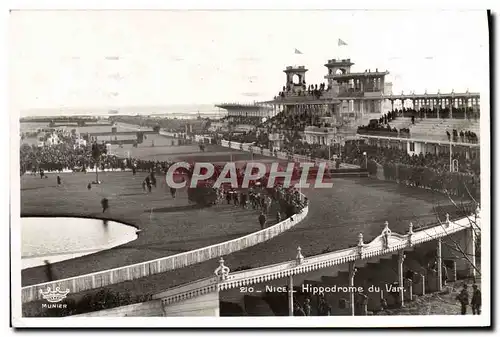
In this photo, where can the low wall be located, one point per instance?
(144, 269)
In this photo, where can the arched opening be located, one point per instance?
(296, 79)
(340, 71)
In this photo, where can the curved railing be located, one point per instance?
(144, 269)
(386, 242)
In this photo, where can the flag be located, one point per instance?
(342, 43)
(297, 51)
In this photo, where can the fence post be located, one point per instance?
(410, 290)
(422, 281)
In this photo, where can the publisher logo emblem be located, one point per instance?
(54, 296)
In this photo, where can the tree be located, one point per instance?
(97, 151)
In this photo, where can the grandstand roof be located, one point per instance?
(437, 95)
(242, 106)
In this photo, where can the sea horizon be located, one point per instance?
(178, 110)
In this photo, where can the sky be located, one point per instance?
(78, 59)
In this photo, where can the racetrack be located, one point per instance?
(335, 218)
(169, 226)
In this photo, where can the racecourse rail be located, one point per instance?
(127, 273)
(249, 147)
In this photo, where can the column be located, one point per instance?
(352, 273)
(401, 258)
(470, 251)
(422, 284)
(438, 103)
(439, 266)
(465, 107)
(290, 295)
(410, 290)
(451, 106)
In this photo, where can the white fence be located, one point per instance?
(280, 155)
(144, 269)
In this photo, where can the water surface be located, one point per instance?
(58, 239)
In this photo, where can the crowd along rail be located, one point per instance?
(385, 243)
(139, 270)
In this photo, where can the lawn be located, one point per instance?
(168, 225)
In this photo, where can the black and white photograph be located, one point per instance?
(230, 168)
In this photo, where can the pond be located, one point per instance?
(58, 239)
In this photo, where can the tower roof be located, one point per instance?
(342, 62)
(293, 69)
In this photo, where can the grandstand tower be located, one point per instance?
(347, 100)
(352, 99)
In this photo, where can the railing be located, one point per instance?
(280, 155)
(144, 269)
(320, 129)
(380, 132)
(426, 138)
(386, 242)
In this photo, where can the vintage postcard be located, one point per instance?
(312, 168)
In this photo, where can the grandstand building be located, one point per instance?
(361, 106)
(429, 123)
(243, 117)
(334, 108)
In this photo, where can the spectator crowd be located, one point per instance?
(425, 171)
(464, 137)
(458, 113)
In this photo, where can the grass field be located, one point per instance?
(174, 226)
